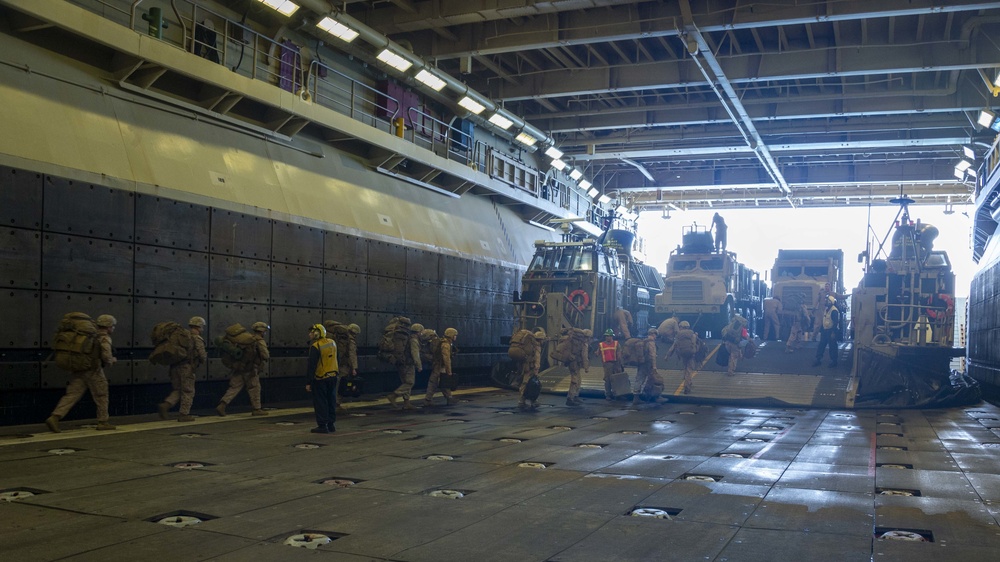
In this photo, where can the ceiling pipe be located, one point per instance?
(379, 41)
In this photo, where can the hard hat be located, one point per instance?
(685, 324)
(609, 332)
(450, 333)
(418, 327)
(830, 300)
(260, 327)
(197, 321)
(354, 329)
(106, 321)
(651, 332)
(318, 328)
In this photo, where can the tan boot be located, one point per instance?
(162, 409)
(408, 406)
(258, 412)
(221, 409)
(391, 397)
(105, 426)
(186, 418)
(53, 423)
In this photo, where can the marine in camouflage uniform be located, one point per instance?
(581, 359)
(249, 379)
(94, 380)
(685, 346)
(732, 335)
(182, 375)
(408, 370)
(646, 368)
(442, 366)
(530, 366)
(347, 358)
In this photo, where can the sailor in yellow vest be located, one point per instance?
(321, 372)
(829, 334)
(611, 359)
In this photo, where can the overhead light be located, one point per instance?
(575, 174)
(593, 192)
(621, 210)
(986, 118)
(501, 121)
(604, 200)
(971, 172)
(558, 164)
(585, 185)
(968, 152)
(996, 82)
(472, 105)
(963, 165)
(394, 60)
(525, 139)
(959, 174)
(553, 152)
(337, 29)
(286, 7)
(430, 80)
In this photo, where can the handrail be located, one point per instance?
(357, 97)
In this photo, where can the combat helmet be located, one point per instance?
(106, 321)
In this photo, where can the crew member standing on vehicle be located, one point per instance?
(611, 359)
(93, 380)
(182, 375)
(321, 374)
(250, 379)
(719, 225)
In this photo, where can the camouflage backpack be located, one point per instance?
(75, 343)
(634, 351)
(428, 340)
(393, 343)
(341, 335)
(172, 344)
(237, 348)
(522, 346)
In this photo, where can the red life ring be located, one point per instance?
(584, 301)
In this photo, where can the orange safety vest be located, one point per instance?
(609, 351)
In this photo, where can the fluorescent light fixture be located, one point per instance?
(558, 164)
(471, 104)
(540, 225)
(501, 121)
(959, 174)
(526, 139)
(593, 192)
(430, 80)
(553, 152)
(997, 81)
(986, 118)
(971, 172)
(585, 185)
(285, 7)
(394, 60)
(604, 200)
(968, 152)
(963, 165)
(337, 29)
(621, 210)
(575, 174)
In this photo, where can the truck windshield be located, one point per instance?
(685, 265)
(789, 271)
(817, 271)
(712, 264)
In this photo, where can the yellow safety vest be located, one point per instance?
(828, 318)
(327, 365)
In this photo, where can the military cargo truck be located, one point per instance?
(706, 287)
(799, 276)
